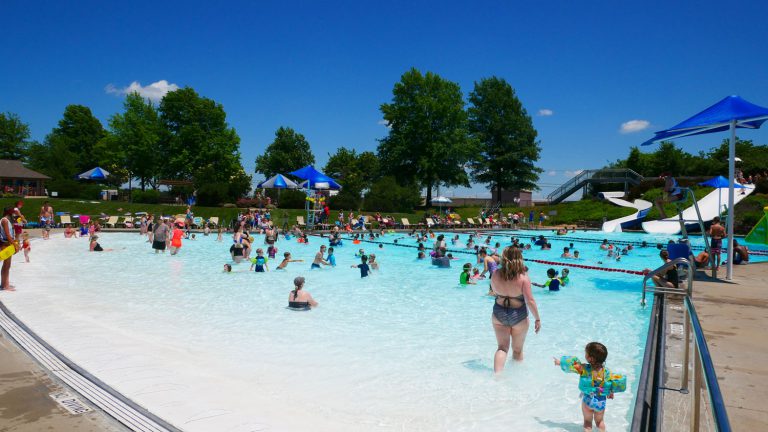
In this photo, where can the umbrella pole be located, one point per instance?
(731, 210)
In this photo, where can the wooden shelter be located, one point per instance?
(17, 179)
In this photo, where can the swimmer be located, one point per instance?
(219, 236)
(476, 274)
(260, 262)
(271, 251)
(372, 262)
(464, 277)
(604, 245)
(227, 268)
(564, 279)
(553, 283)
(287, 259)
(421, 255)
(381, 246)
(298, 299)
(566, 253)
(319, 258)
(363, 266)
(360, 253)
(331, 258)
(575, 254)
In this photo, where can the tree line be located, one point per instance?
(435, 138)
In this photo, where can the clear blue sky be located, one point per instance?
(324, 68)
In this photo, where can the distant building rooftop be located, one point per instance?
(16, 170)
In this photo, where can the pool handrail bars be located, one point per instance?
(648, 417)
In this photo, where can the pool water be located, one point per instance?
(405, 349)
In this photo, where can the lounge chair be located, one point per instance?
(471, 222)
(111, 221)
(405, 223)
(300, 221)
(430, 223)
(197, 222)
(214, 220)
(65, 219)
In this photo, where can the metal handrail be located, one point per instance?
(704, 363)
(668, 290)
(625, 174)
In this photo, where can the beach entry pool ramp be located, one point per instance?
(616, 225)
(714, 204)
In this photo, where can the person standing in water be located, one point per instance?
(512, 288)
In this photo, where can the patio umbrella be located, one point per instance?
(440, 200)
(720, 182)
(277, 181)
(94, 174)
(730, 113)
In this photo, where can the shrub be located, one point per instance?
(149, 196)
(344, 200)
(387, 195)
(248, 202)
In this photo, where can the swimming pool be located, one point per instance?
(405, 349)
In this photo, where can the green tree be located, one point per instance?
(137, 132)
(428, 142)
(288, 152)
(387, 195)
(78, 132)
(355, 171)
(14, 137)
(198, 144)
(508, 148)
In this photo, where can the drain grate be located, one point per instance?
(70, 403)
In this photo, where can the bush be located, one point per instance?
(345, 200)
(149, 196)
(386, 195)
(249, 202)
(288, 198)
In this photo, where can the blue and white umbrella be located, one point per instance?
(94, 174)
(278, 181)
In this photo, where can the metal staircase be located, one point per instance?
(588, 177)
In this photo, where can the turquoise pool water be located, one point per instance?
(405, 349)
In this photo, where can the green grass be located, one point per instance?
(593, 212)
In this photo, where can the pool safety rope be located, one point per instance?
(538, 261)
(622, 242)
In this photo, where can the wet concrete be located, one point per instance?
(25, 404)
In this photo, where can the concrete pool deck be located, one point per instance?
(734, 317)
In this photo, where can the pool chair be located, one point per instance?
(214, 220)
(65, 219)
(197, 222)
(300, 222)
(127, 222)
(430, 223)
(111, 222)
(471, 222)
(405, 223)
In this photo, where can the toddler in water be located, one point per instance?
(476, 274)
(331, 257)
(553, 283)
(564, 280)
(271, 251)
(363, 266)
(597, 384)
(25, 246)
(260, 263)
(227, 268)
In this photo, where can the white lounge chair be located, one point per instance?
(300, 221)
(65, 219)
(214, 220)
(111, 222)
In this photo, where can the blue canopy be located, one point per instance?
(717, 118)
(720, 182)
(314, 176)
(729, 114)
(94, 174)
(278, 181)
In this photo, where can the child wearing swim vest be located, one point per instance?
(596, 383)
(260, 262)
(553, 283)
(464, 277)
(564, 279)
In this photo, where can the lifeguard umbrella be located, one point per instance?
(730, 113)
(719, 182)
(440, 200)
(94, 174)
(313, 176)
(278, 181)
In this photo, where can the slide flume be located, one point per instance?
(615, 225)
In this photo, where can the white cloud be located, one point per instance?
(634, 126)
(545, 112)
(552, 173)
(573, 173)
(154, 91)
(384, 123)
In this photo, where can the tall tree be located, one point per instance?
(199, 145)
(14, 137)
(137, 132)
(288, 152)
(508, 148)
(78, 132)
(355, 171)
(428, 142)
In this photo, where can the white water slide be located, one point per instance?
(615, 225)
(710, 206)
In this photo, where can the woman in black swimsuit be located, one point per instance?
(512, 288)
(298, 299)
